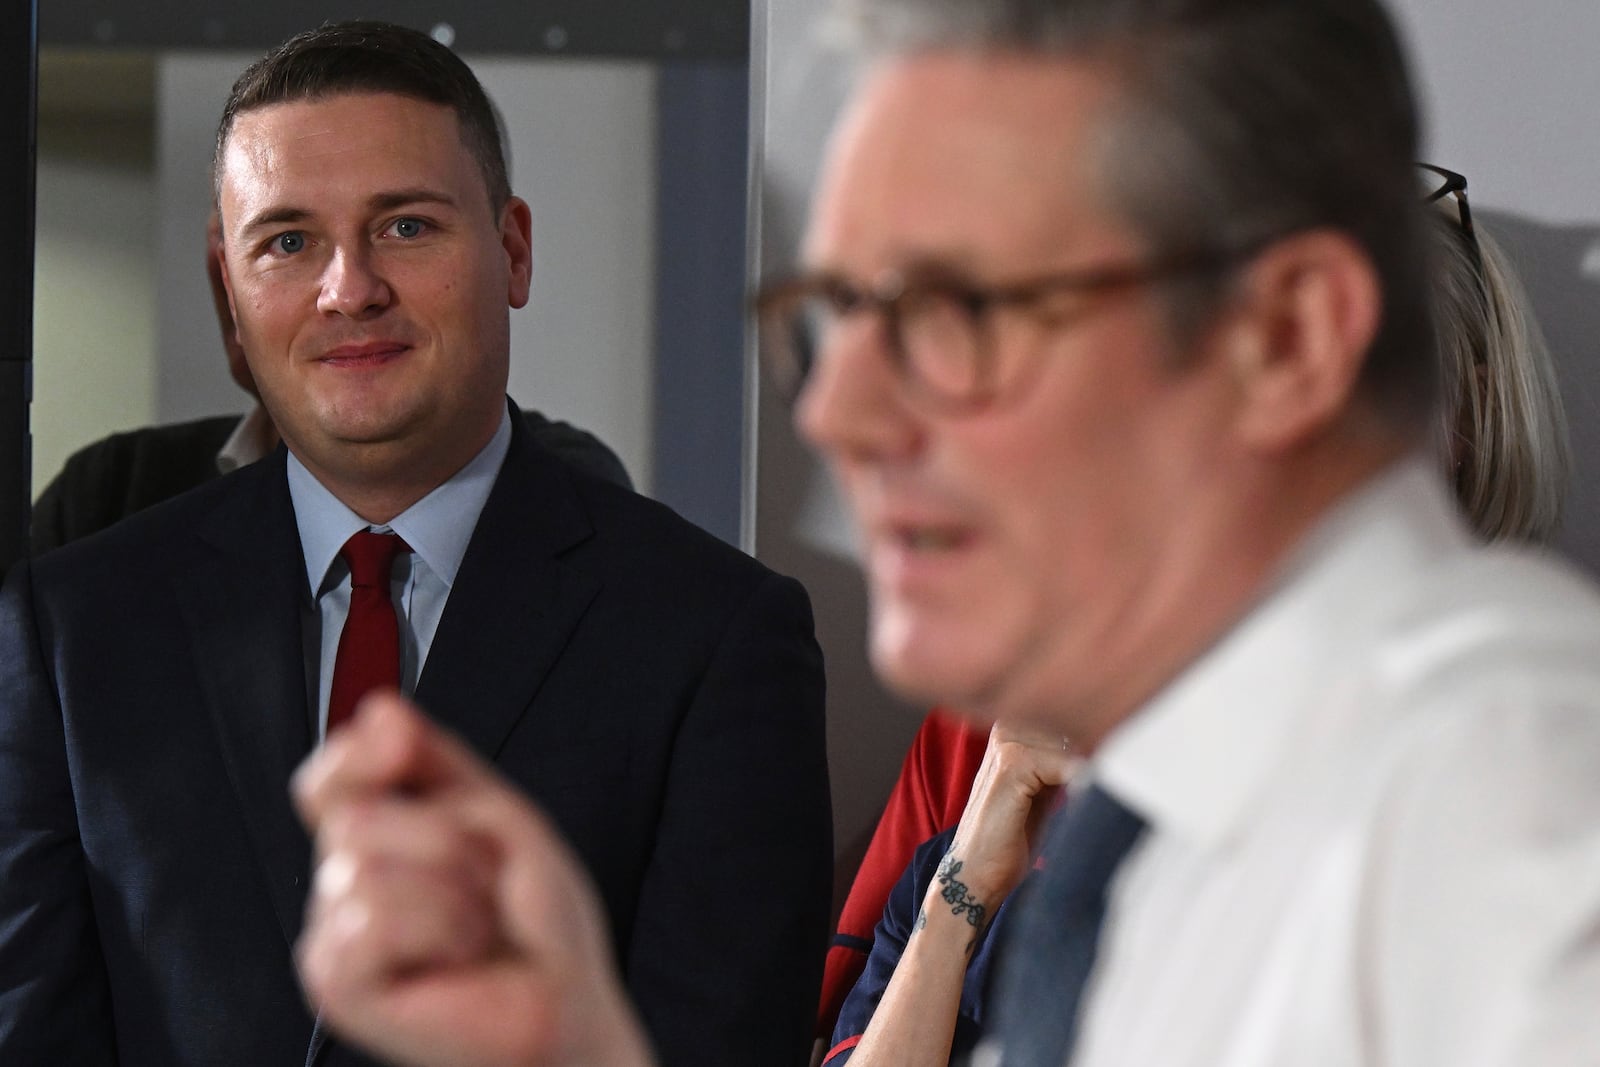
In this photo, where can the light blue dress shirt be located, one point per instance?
(437, 528)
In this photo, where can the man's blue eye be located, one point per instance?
(290, 242)
(407, 228)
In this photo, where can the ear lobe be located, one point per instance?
(1311, 308)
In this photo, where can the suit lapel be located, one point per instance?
(242, 599)
(514, 603)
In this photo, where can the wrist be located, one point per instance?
(963, 880)
(951, 908)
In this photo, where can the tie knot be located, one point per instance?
(370, 557)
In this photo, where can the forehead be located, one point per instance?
(351, 139)
(967, 156)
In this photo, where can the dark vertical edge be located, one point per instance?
(19, 55)
(700, 347)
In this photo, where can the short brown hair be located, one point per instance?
(362, 56)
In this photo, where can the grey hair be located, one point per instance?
(1504, 425)
(1241, 121)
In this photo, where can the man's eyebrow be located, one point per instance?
(401, 197)
(277, 216)
(945, 265)
(386, 201)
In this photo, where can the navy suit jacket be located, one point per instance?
(659, 693)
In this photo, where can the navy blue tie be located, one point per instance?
(1049, 945)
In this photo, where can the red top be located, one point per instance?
(928, 797)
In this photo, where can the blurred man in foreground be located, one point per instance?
(1120, 354)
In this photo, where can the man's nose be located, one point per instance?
(352, 286)
(853, 403)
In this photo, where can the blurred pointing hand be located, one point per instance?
(449, 925)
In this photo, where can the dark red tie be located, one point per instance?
(369, 644)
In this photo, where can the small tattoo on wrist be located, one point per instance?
(955, 892)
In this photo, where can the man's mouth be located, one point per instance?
(368, 353)
(930, 538)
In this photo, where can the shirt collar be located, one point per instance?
(1194, 759)
(437, 527)
(251, 439)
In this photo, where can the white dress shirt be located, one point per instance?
(1374, 815)
(437, 528)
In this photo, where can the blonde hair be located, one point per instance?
(1504, 426)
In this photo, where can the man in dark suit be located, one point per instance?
(657, 692)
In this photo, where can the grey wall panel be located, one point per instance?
(702, 111)
(191, 369)
(584, 157)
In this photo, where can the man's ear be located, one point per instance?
(222, 300)
(516, 237)
(1307, 312)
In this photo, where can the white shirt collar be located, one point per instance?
(1193, 760)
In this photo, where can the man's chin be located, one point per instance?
(359, 449)
(372, 429)
(929, 680)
